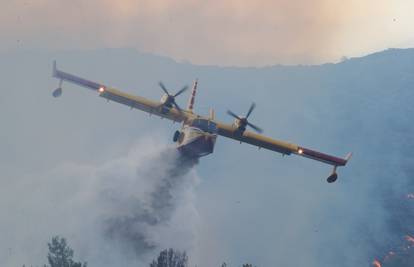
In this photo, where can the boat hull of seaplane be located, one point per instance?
(195, 143)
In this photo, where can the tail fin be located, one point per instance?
(212, 114)
(192, 97)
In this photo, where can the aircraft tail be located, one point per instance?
(192, 97)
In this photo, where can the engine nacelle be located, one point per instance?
(164, 98)
(240, 124)
(167, 100)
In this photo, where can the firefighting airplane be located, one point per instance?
(198, 134)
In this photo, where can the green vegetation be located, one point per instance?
(61, 255)
(171, 258)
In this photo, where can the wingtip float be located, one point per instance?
(198, 134)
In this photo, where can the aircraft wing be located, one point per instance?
(112, 94)
(261, 141)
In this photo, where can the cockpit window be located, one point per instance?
(205, 125)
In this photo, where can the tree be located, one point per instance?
(61, 255)
(171, 258)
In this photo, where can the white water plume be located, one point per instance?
(118, 213)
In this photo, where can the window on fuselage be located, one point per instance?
(205, 125)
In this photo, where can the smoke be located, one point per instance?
(266, 214)
(118, 213)
(378, 214)
(214, 32)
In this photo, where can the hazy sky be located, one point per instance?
(58, 157)
(213, 32)
(253, 206)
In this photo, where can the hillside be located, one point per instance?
(254, 206)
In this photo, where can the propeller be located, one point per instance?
(169, 100)
(243, 121)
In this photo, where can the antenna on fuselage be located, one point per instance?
(192, 96)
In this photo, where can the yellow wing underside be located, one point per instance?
(144, 104)
(261, 141)
(226, 130)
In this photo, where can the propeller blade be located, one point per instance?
(163, 88)
(233, 115)
(181, 91)
(177, 106)
(257, 129)
(252, 106)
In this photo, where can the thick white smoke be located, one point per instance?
(117, 213)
